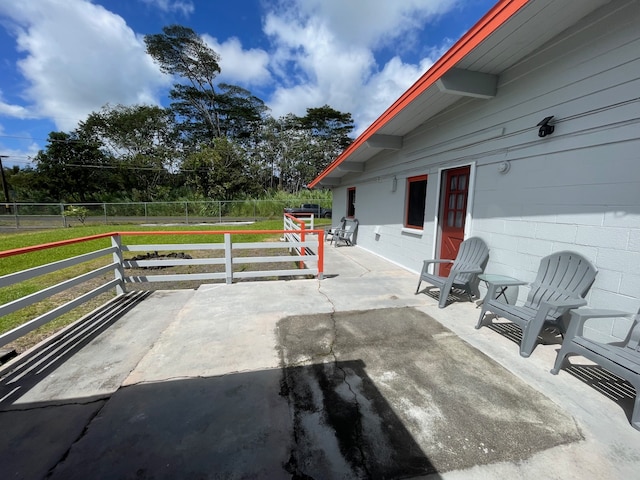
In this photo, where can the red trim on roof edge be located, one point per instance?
(489, 23)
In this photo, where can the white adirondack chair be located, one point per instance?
(470, 261)
(563, 279)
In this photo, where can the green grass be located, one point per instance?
(21, 262)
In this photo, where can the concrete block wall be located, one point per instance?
(577, 189)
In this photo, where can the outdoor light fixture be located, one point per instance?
(503, 167)
(394, 184)
(545, 128)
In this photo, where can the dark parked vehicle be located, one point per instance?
(307, 208)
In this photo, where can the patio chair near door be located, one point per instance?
(470, 261)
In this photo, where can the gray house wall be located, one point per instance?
(577, 189)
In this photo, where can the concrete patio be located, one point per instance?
(353, 376)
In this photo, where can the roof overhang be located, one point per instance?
(509, 32)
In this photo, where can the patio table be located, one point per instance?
(503, 283)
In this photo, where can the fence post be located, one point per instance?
(228, 258)
(303, 250)
(186, 212)
(219, 211)
(104, 208)
(15, 213)
(119, 267)
(320, 254)
(64, 219)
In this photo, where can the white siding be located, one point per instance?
(577, 189)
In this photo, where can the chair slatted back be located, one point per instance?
(633, 341)
(473, 252)
(561, 276)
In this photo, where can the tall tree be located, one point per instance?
(329, 124)
(72, 169)
(180, 52)
(295, 149)
(240, 112)
(142, 138)
(219, 172)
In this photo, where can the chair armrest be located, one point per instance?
(569, 304)
(426, 263)
(439, 260)
(578, 318)
(467, 270)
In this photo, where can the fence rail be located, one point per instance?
(309, 263)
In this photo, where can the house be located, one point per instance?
(525, 133)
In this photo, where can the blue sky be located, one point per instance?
(63, 59)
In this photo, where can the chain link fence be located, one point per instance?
(55, 215)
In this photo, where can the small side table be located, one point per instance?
(503, 282)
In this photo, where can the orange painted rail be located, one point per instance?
(62, 243)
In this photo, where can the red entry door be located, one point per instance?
(454, 212)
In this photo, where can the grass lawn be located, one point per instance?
(17, 263)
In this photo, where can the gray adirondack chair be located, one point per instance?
(563, 279)
(347, 235)
(330, 234)
(621, 358)
(471, 259)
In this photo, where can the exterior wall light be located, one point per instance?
(394, 184)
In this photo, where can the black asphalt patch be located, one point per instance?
(391, 393)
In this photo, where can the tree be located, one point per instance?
(179, 51)
(240, 112)
(295, 149)
(72, 169)
(329, 124)
(219, 172)
(330, 131)
(142, 138)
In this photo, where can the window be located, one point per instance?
(351, 202)
(416, 198)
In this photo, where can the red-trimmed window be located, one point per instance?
(416, 201)
(351, 202)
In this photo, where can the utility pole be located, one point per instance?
(5, 188)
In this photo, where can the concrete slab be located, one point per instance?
(233, 426)
(401, 396)
(49, 394)
(202, 388)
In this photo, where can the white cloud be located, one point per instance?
(246, 67)
(367, 22)
(15, 111)
(181, 6)
(78, 57)
(324, 54)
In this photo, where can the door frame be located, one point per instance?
(437, 230)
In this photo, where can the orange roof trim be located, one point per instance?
(489, 23)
